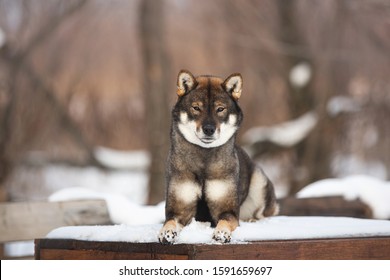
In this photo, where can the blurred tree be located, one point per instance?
(301, 99)
(79, 85)
(156, 92)
(17, 61)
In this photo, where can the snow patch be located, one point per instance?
(2, 38)
(131, 160)
(346, 165)
(342, 104)
(19, 249)
(300, 74)
(121, 209)
(125, 233)
(374, 192)
(131, 184)
(286, 134)
(275, 228)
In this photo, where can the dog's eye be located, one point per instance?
(220, 109)
(196, 108)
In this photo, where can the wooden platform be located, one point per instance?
(324, 249)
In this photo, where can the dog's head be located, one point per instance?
(207, 113)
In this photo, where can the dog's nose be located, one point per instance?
(208, 129)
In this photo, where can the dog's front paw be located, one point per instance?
(224, 229)
(169, 232)
(167, 236)
(222, 235)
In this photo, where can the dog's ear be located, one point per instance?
(233, 85)
(185, 82)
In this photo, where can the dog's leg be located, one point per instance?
(180, 208)
(260, 201)
(221, 197)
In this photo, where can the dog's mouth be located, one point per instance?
(207, 140)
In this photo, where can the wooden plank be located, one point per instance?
(70, 249)
(319, 249)
(324, 249)
(324, 206)
(30, 220)
(62, 254)
(169, 257)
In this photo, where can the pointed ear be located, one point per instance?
(185, 82)
(233, 85)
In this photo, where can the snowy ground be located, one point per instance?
(372, 191)
(275, 228)
(142, 223)
(125, 194)
(122, 209)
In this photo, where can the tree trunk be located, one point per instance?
(155, 87)
(313, 155)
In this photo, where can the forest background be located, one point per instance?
(77, 75)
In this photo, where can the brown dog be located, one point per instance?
(209, 178)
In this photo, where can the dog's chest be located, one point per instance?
(207, 164)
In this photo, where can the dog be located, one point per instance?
(209, 177)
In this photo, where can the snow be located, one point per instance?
(139, 223)
(131, 160)
(286, 134)
(342, 104)
(124, 188)
(125, 191)
(344, 165)
(19, 249)
(132, 184)
(122, 210)
(300, 74)
(2, 38)
(275, 228)
(372, 191)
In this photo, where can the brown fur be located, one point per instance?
(209, 178)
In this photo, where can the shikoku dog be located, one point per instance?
(209, 178)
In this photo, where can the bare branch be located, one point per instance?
(49, 28)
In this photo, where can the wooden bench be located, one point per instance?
(324, 249)
(333, 206)
(22, 221)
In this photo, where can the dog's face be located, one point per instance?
(207, 113)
